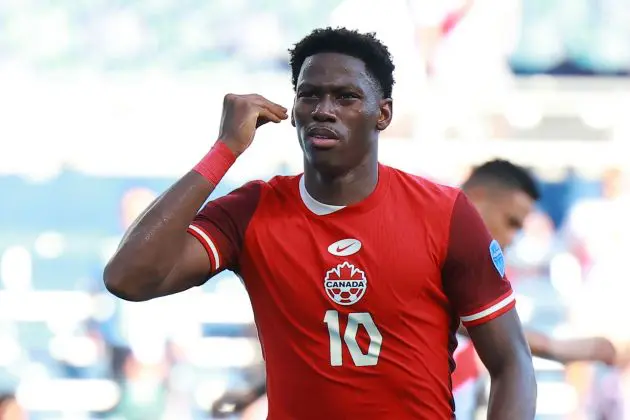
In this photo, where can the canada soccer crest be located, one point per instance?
(345, 284)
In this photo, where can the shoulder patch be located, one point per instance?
(497, 257)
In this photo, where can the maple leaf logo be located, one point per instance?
(345, 271)
(345, 284)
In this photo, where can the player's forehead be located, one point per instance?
(333, 71)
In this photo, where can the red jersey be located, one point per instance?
(466, 360)
(357, 306)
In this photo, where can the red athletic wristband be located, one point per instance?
(216, 163)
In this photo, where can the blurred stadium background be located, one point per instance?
(104, 103)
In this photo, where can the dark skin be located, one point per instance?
(503, 350)
(335, 91)
(504, 210)
(156, 256)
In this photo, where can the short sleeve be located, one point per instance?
(221, 224)
(473, 274)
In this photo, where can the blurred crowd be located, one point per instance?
(106, 103)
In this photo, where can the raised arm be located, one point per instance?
(157, 256)
(474, 280)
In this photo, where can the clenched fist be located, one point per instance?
(242, 115)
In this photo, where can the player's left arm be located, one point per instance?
(474, 280)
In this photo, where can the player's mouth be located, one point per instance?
(322, 137)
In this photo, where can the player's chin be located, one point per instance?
(325, 161)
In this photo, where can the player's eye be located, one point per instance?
(348, 96)
(306, 94)
(515, 223)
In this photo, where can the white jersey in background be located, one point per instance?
(395, 25)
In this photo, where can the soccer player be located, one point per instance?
(358, 273)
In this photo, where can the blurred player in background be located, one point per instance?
(356, 297)
(504, 194)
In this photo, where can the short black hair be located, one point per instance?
(365, 47)
(506, 174)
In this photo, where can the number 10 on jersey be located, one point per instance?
(355, 320)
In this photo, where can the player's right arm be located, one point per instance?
(157, 256)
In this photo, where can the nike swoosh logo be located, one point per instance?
(345, 247)
(341, 249)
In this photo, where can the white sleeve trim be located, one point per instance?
(489, 311)
(209, 244)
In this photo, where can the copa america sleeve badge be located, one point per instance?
(497, 257)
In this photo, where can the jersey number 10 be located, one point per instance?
(350, 337)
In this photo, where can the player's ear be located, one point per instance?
(293, 116)
(387, 112)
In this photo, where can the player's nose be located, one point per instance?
(324, 110)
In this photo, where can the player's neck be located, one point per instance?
(344, 189)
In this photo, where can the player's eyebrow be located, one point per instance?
(333, 87)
